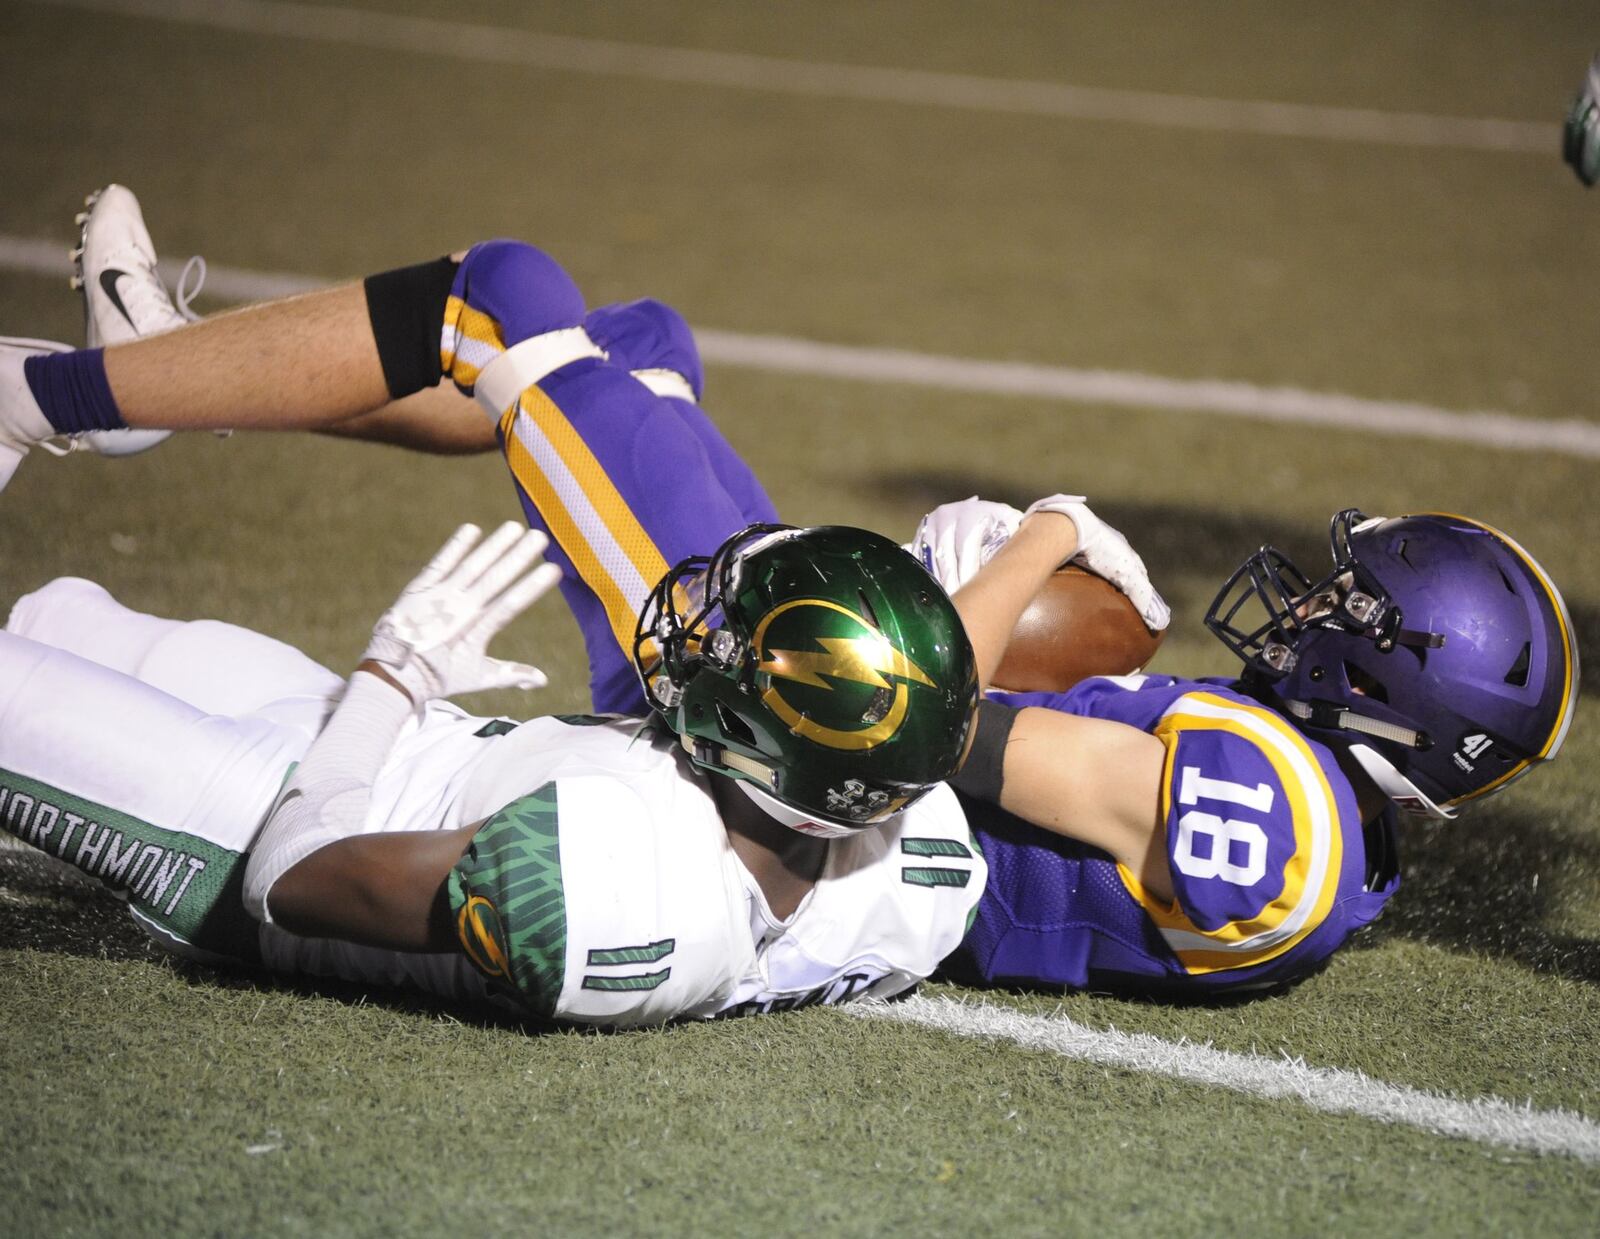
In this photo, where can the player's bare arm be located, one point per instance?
(991, 602)
(1090, 779)
(383, 890)
(314, 870)
(1093, 780)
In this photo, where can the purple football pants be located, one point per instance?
(625, 481)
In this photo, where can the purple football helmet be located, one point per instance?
(1437, 653)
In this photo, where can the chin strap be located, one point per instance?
(1405, 794)
(716, 756)
(708, 753)
(1340, 718)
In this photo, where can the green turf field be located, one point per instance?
(144, 1097)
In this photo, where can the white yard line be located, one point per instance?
(1290, 405)
(782, 354)
(1487, 1120)
(743, 71)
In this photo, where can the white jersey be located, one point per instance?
(661, 919)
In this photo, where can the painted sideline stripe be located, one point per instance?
(1120, 388)
(1147, 391)
(1488, 1120)
(746, 71)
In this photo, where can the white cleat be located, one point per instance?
(22, 422)
(114, 268)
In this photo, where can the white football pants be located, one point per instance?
(146, 751)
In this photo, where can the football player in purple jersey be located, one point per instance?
(1145, 832)
(1431, 665)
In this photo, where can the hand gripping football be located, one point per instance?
(1077, 626)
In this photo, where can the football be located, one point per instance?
(1077, 626)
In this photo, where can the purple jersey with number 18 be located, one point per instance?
(1271, 867)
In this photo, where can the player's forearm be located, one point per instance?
(316, 866)
(992, 602)
(384, 890)
(330, 793)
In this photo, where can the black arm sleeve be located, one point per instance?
(983, 773)
(406, 308)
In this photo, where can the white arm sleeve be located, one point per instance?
(331, 791)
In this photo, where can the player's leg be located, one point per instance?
(125, 298)
(302, 363)
(215, 667)
(647, 338)
(652, 341)
(604, 465)
(437, 420)
(292, 365)
(151, 796)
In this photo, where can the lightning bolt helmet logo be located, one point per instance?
(822, 666)
(819, 691)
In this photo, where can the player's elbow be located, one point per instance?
(290, 853)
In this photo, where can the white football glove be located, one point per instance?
(956, 539)
(434, 637)
(1106, 553)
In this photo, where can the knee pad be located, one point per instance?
(648, 335)
(520, 287)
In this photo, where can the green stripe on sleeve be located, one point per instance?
(936, 877)
(934, 847)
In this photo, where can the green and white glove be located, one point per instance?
(433, 640)
(1580, 140)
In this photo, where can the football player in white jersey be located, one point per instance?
(583, 869)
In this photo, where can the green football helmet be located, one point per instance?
(822, 668)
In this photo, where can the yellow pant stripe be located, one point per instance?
(621, 587)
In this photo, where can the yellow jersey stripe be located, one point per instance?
(470, 340)
(1311, 875)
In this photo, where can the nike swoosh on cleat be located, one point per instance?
(108, 281)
